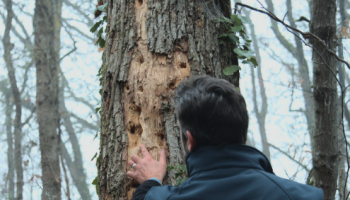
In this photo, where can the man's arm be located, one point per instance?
(142, 190)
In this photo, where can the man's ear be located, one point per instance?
(191, 141)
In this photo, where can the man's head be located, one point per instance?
(211, 111)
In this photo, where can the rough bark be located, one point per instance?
(46, 59)
(325, 147)
(151, 46)
(10, 151)
(8, 46)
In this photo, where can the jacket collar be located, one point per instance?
(236, 156)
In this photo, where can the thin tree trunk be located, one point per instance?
(45, 54)
(151, 46)
(75, 167)
(325, 148)
(260, 115)
(298, 53)
(8, 46)
(10, 155)
(341, 71)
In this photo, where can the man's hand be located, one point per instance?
(146, 167)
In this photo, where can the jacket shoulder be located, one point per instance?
(294, 190)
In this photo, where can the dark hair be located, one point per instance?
(212, 110)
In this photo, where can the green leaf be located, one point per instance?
(94, 157)
(100, 32)
(95, 181)
(102, 7)
(95, 26)
(97, 109)
(230, 70)
(236, 28)
(245, 20)
(96, 135)
(237, 88)
(254, 62)
(243, 53)
(170, 167)
(102, 42)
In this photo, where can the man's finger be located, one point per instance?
(130, 163)
(135, 158)
(144, 151)
(162, 157)
(131, 174)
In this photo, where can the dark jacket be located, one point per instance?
(232, 172)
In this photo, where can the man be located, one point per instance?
(213, 121)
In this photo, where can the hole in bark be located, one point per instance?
(172, 85)
(183, 65)
(127, 87)
(139, 2)
(141, 59)
(134, 128)
(140, 89)
(161, 139)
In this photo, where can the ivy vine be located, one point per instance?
(180, 173)
(235, 34)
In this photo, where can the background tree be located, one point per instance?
(325, 146)
(46, 60)
(6, 40)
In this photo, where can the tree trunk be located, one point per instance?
(340, 66)
(75, 166)
(8, 46)
(325, 148)
(298, 53)
(45, 54)
(260, 115)
(10, 157)
(151, 46)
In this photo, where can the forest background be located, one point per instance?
(277, 97)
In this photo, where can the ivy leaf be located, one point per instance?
(170, 167)
(245, 20)
(102, 43)
(102, 7)
(236, 19)
(254, 62)
(95, 181)
(243, 53)
(100, 32)
(95, 26)
(230, 70)
(237, 28)
(97, 109)
(93, 159)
